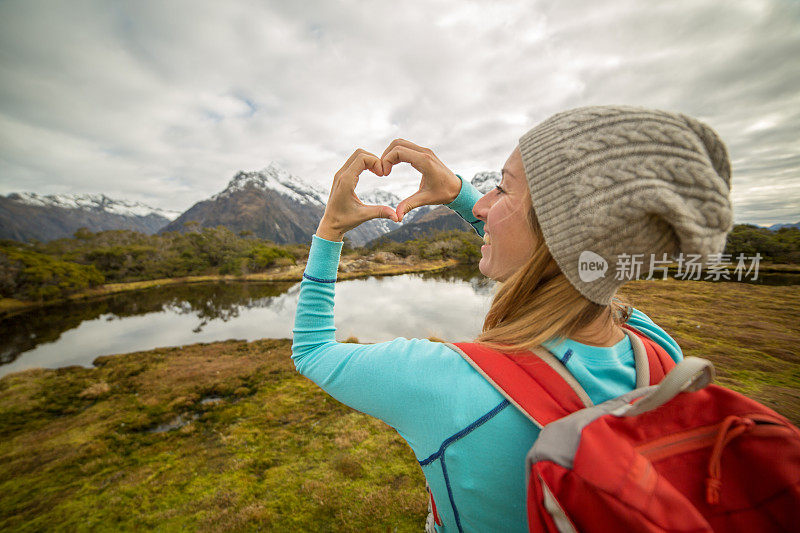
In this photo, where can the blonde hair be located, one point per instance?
(538, 303)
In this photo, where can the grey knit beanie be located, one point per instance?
(614, 180)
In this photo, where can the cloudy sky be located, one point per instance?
(162, 102)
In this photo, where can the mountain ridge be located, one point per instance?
(97, 201)
(271, 203)
(30, 216)
(274, 204)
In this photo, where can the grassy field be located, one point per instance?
(750, 332)
(261, 448)
(255, 446)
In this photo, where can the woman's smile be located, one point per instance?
(508, 239)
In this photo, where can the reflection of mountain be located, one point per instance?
(455, 274)
(483, 286)
(212, 301)
(277, 302)
(458, 274)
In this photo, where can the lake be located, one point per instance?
(449, 304)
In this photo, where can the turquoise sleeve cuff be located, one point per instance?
(465, 201)
(323, 260)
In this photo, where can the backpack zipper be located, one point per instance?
(718, 436)
(702, 437)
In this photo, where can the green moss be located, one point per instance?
(269, 451)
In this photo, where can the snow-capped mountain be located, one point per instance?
(277, 205)
(94, 202)
(28, 216)
(420, 211)
(271, 203)
(485, 181)
(379, 197)
(276, 179)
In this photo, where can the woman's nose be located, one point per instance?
(482, 206)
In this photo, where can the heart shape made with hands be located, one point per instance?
(344, 210)
(438, 184)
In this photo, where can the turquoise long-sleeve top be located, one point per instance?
(470, 442)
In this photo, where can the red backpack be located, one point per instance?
(679, 456)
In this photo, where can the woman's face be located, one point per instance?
(504, 211)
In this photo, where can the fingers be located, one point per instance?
(366, 161)
(348, 162)
(360, 161)
(403, 154)
(398, 151)
(409, 146)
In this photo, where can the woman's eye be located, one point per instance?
(499, 189)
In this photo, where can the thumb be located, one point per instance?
(383, 211)
(412, 202)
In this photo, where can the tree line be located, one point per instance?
(781, 246)
(43, 271)
(40, 271)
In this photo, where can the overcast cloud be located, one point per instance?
(162, 102)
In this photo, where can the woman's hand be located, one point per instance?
(344, 211)
(439, 185)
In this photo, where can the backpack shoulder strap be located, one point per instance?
(536, 383)
(539, 384)
(652, 361)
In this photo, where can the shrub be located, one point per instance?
(122, 255)
(263, 256)
(782, 246)
(31, 275)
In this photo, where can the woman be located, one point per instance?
(613, 181)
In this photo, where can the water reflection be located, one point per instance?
(449, 305)
(464, 273)
(56, 328)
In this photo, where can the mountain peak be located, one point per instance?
(379, 197)
(485, 181)
(274, 167)
(91, 202)
(275, 178)
(776, 227)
